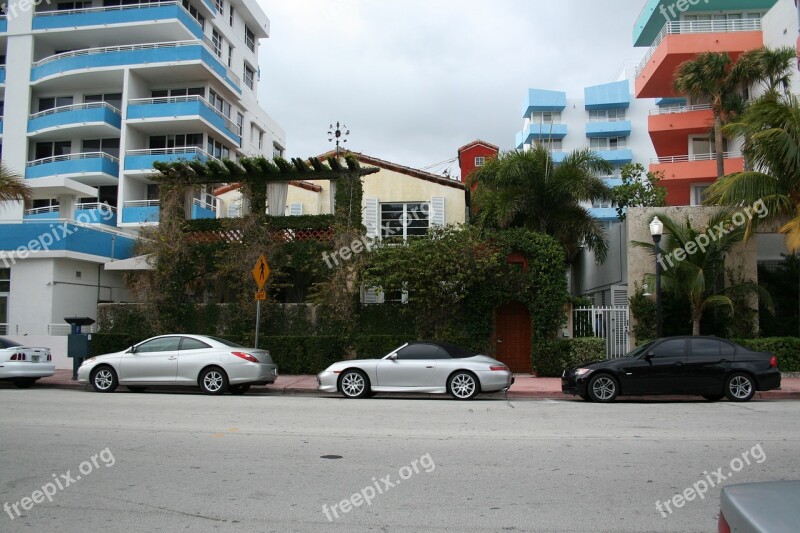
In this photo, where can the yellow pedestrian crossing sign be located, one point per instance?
(261, 272)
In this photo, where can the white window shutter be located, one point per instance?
(371, 217)
(372, 295)
(437, 215)
(295, 210)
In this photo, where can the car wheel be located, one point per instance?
(239, 389)
(104, 379)
(354, 384)
(603, 388)
(136, 389)
(463, 385)
(739, 387)
(214, 381)
(24, 383)
(713, 397)
(586, 397)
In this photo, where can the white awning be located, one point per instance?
(140, 262)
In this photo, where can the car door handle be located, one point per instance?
(173, 357)
(428, 366)
(679, 363)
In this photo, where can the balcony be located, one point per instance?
(681, 41)
(670, 126)
(148, 55)
(80, 238)
(2, 75)
(41, 213)
(180, 111)
(3, 24)
(96, 213)
(543, 130)
(100, 120)
(619, 156)
(157, 16)
(140, 212)
(142, 160)
(608, 128)
(201, 210)
(698, 168)
(90, 168)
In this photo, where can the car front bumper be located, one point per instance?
(327, 381)
(572, 384)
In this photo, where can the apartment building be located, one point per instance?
(94, 93)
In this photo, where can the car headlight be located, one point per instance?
(582, 372)
(87, 361)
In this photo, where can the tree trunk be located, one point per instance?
(719, 145)
(696, 323)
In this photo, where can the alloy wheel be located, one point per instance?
(604, 388)
(462, 386)
(353, 384)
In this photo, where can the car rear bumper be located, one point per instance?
(493, 381)
(769, 380)
(255, 373)
(14, 370)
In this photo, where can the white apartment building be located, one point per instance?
(91, 94)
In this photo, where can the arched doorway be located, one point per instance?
(512, 336)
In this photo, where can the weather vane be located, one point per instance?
(338, 133)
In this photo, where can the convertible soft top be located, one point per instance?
(456, 352)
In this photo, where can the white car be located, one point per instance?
(23, 365)
(215, 365)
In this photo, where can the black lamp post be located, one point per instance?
(656, 230)
(338, 134)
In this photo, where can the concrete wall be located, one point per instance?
(780, 28)
(591, 276)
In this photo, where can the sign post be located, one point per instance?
(260, 274)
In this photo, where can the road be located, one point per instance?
(183, 461)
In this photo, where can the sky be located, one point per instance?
(415, 80)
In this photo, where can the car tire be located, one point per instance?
(104, 379)
(603, 388)
(136, 389)
(713, 397)
(24, 383)
(740, 387)
(354, 384)
(213, 381)
(238, 390)
(463, 385)
(585, 397)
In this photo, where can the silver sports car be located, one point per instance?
(430, 367)
(216, 365)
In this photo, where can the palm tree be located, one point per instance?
(697, 278)
(773, 66)
(12, 187)
(526, 189)
(771, 131)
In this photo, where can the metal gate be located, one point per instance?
(609, 323)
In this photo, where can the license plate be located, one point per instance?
(35, 358)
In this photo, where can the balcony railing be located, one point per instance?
(71, 157)
(75, 107)
(141, 203)
(209, 42)
(668, 110)
(696, 157)
(181, 150)
(229, 124)
(139, 5)
(95, 205)
(42, 210)
(699, 26)
(205, 205)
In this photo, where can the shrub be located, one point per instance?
(304, 355)
(552, 358)
(786, 349)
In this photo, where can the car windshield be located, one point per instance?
(5, 343)
(640, 349)
(230, 344)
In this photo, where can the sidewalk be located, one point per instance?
(525, 386)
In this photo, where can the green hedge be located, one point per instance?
(554, 357)
(786, 349)
(304, 355)
(103, 343)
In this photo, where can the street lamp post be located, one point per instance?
(656, 230)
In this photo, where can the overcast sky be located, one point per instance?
(415, 80)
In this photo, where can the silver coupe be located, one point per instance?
(428, 367)
(215, 365)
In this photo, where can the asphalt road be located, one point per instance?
(187, 462)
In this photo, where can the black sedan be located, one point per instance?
(707, 366)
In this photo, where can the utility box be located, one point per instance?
(79, 345)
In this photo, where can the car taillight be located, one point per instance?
(245, 356)
(498, 368)
(49, 357)
(773, 362)
(722, 525)
(19, 357)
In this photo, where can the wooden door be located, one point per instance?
(512, 336)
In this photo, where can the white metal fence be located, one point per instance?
(609, 323)
(53, 330)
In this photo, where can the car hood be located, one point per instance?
(105, 357)
(602, 363)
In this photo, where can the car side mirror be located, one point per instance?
(393, 357)
(648, 356)
(132, 349)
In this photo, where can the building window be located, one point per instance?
(230, 17)
(52, 149)
(106, 146)
(217, 149)
(608, 143)
(403, 220)
(249, 75)
(181, 140)
(554, 145)
(277, 151)
(479, 161)
(260, 140)
(191, 91)
(220, 6)
(250, 39)
(240, 123)
(195, 13)
(230, 56)
(5, 291)
(219, 103)
(699, 194)
(546, 117)
(607, 115)
(216, 41)
(54, 101)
